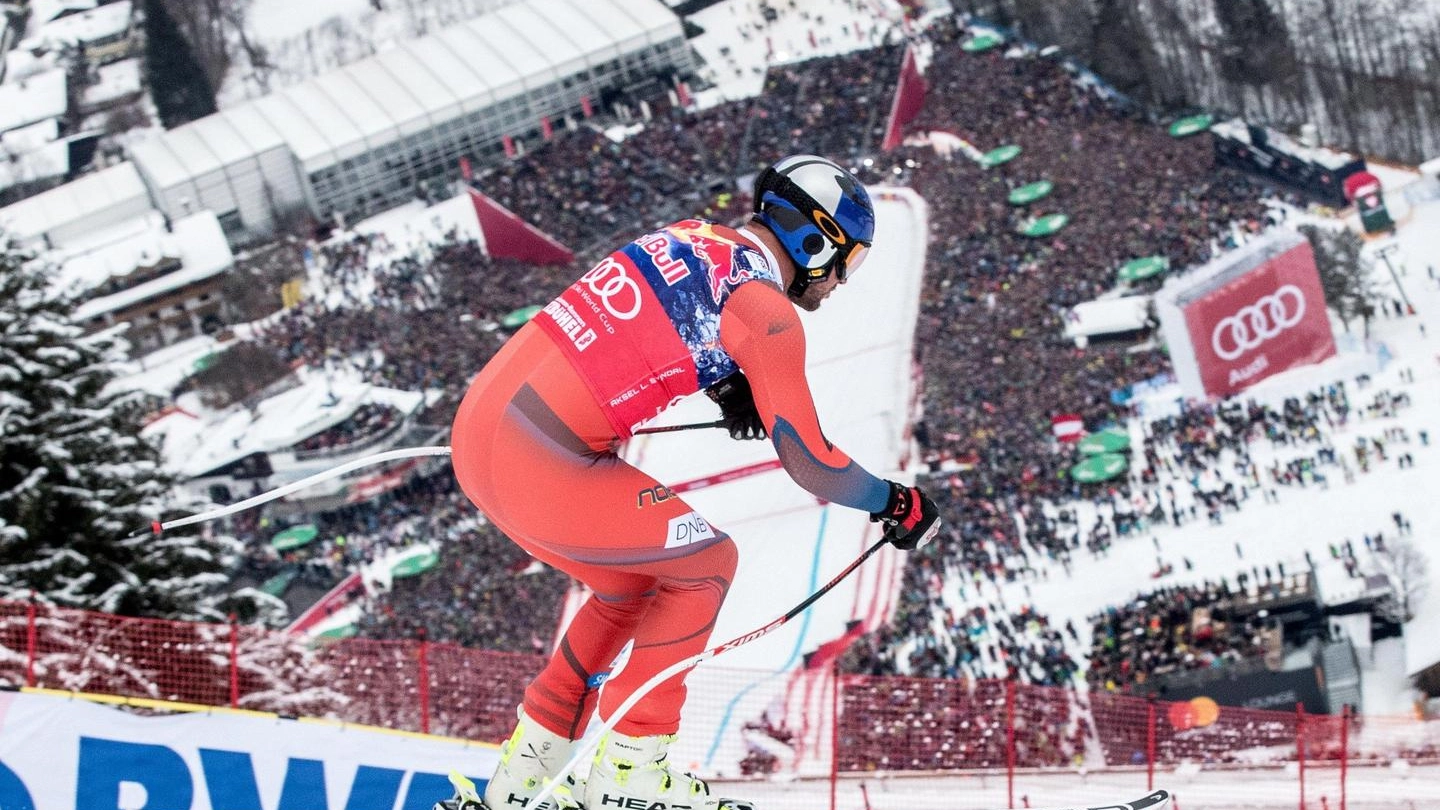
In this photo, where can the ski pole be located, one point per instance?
(279, 492)
(672, 428)
(334, 472)
(591, 739)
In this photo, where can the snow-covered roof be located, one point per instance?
(43, 11)
(467, 66)
(1422, 642)
(30, 136)
(117, 80)
(94, 25)
(1102, 317)
(196, 444)
(197, 241)
(34, 98)
(43, 162)
(1279, 141)
(20, 63)
(72, 202)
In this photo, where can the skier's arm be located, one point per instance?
(760, 329)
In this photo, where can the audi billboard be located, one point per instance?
(1247, 315)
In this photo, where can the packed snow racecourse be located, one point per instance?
(867, 389)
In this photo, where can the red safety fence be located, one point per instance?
(867, 743)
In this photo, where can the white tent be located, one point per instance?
(1109, 316)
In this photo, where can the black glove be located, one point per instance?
(737, 407)
(910, 517)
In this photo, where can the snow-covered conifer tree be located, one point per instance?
(76, 478)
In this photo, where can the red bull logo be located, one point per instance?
(718, 257)
(671, 268)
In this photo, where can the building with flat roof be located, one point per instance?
(367, 136)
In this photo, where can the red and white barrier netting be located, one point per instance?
(899, 742)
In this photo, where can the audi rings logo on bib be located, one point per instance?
(618, 292)
(1256, 323)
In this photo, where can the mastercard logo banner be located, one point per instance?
(1194, 713)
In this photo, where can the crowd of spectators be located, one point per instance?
(929, 724)
(1169, 629)
(996, 364)
(592, 192)
(367, 422)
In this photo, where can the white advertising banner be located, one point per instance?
(58, 753)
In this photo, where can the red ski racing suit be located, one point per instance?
(534, 447)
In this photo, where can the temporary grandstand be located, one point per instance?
(365, 137)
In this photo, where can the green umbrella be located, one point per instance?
(1106, 441)
(982, 42)
(1030, 192)
(278, 584)
(1099, 468)
(415, 564)
(294, 537)
(1144, 267)
(1044, 225)
(519, 317)
(1190, 126)
(998, 155)
(205, 361)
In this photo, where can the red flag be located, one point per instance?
(1068, 427)
(509, 144)
(908, 101)
(545, 131)
(585, 106)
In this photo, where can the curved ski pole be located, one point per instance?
(279, 492)
(334, 472)
(590, 740)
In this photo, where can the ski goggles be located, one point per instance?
(849, 261)
(843, 264)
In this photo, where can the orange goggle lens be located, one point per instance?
(852, 261)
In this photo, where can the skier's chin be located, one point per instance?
(810, 300)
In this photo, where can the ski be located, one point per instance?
(1158, 800)
(468, 798)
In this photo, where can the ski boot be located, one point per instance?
(631, 773)
(527, 760)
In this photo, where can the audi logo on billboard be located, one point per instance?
(1256, 323)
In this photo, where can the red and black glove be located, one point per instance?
(737, 407)
(911, 519)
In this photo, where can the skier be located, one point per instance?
(694, 306)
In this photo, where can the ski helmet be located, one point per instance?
(820, 213)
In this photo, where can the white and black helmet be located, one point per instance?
(820, 213)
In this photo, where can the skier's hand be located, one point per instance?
(737, 407)
(911, 519)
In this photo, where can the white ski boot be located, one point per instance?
(631, 773)
(527, 761)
